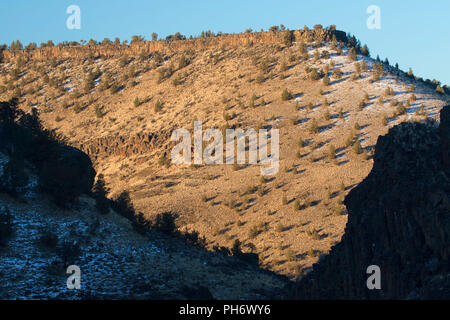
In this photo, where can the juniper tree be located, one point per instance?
(316, 55)
(352, 54)
(236, 248)
(314, 127)
(365, 51)
(286, 95)
(363, 65)
(357, 68)
(283, 66)
(314, 75)
(332, 152)
(326, 80)
(337, 73)
(440, 90)
(327, 115)
(401, 110)
(288, 38)
(333, 42)
(89, 83)
(157, 106)
(137, 102)
(100, 192)
(357, 149)
(361, 105)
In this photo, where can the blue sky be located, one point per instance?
(413, 33)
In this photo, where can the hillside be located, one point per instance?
(49, 222)
(120, 104)
(116, 262)
(399, 220)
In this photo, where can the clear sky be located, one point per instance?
(413, 33)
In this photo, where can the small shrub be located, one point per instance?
(158, 106)
(389, 92)
(236, 248)
(260, 78)
(77, 108)
(279, 227)
(332, 152)
(394, 103)
(401, 110)
(357, 149)
(253, 232)
(361, 105)
(327, 115)
(290, 255)
(286, 95)
(137, 102)
(114, 88)
(314, 234)
(99, 112)
(313, 253)
(297, 205)
(314, 127)
(314, 75)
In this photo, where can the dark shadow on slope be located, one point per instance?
(398, 219)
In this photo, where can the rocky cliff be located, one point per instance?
(399, 220)
(226, 40)
(124, 145)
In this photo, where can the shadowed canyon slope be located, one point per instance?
(399, 220)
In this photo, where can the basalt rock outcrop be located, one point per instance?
(124, 146)
(225, 40)
(399, 220)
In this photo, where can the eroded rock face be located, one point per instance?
(124, 146)
(229, 40)
(399, 220)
